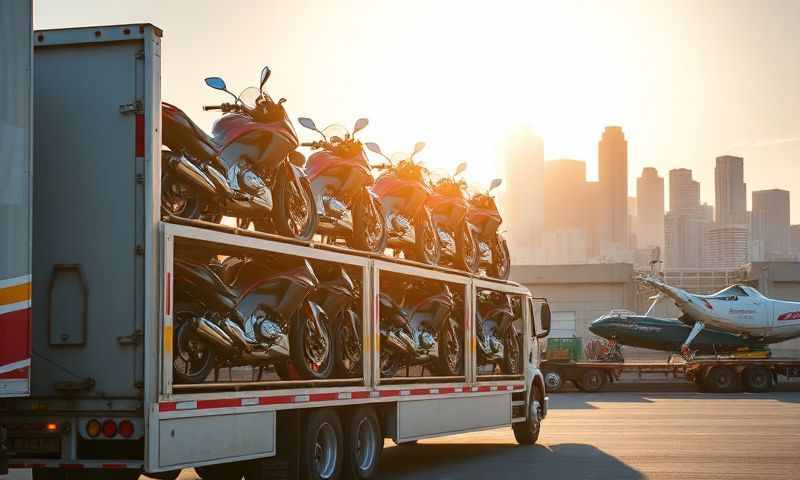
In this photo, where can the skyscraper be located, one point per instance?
(730, 191)
(725, 246)
(523, 197)
(566, 229)
(686, 222)
(770, 228)
(650, 209)
(796, 242)
(612, 153)
(684, 192)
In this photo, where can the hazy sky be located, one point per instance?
(687, 81)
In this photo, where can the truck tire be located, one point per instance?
(593, 380)
(363, 442)
(757, 379)
(721, 379)
(553, 381)
(322, 445)
(527, 432)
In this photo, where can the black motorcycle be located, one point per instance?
(240, 312)
(420, 330)
(338, 296)
(496, 336)
(249, 169)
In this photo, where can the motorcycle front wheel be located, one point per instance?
(390, 363)
(501, 259)
(426, 239)
(179, 198)
(193, 359)
(468, 256)
(451, 352)
(311, 351)
(512, 361)
(295, 212)
(347, 351)
(369, 225)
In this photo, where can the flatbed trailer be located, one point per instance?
(104, 322)
(718, 374)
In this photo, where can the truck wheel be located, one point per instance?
(553, 381)
(222, 471)
(593, 380)
(363, 442)
(527, 432)
(322, 445)
(721, 379)
(757, 379)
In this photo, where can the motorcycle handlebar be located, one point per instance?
(308, 144)
(211, 107)
(225, 107)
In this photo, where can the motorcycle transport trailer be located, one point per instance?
(105, 400)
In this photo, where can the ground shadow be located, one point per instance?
(578, 401)
(501, 461)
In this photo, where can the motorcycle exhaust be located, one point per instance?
(186, 169)
(219, 180)
(391, 341)
(213, 334)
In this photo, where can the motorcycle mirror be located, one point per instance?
(418, 148)
(216, 83)
(361, 123)
(308, 123)
(265, 73)
(460, 168)
(495, 183)
(374, 147)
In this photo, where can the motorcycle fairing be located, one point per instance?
(486, 221)
(327, 163)
(179, 132)
(246, 141)
(204, 284)
(447, 210)
(399, 195)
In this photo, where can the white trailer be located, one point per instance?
(103, 311)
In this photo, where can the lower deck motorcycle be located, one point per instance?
(496, 336)
(247, 312)
(247, 169)
(420, 330)
(484, 219)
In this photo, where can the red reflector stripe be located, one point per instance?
(222, 403)
(166, 407)
(357, 395)
(275, 400)
(324, 397)
(71, 466)
(140, 135)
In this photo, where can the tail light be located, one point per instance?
(93, 428)
(109, 428)
(126, 428)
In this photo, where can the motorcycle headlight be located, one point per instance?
(252, 181)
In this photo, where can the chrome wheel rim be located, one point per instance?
(453, 349)
(316, 347)
(351, 351)
(535, 415)
(374, 230)
(299, 214)
(365, 449)
(429, 239)
(176, 196)
(325, 451)
(470, 253)
(552, 381)
(191, 354)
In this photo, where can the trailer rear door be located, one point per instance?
(15, 197)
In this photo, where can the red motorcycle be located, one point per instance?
(340, 180)
(248, 163)
(484, 219)
(403, 189)
(448, 205)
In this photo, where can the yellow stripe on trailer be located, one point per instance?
(15, 293)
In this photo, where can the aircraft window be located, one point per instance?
(734, 291)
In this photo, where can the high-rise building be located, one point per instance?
(613, 166)
(684, 192)
(523, 196)
(649, 223)
(730, 191)
(770, 227)
(685, 224)
(565, 231)
(725, 247)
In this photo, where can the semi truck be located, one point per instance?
(15, 204)
(105, 400)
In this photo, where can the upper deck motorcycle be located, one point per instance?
(484, 219)
(340, 177)
(448, 205)
(247, 169)
(403, 190)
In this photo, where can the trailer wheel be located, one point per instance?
(757, 379)
(721, 379)
(593, 380)
(527, 432)
(553, 381)
(322, 445)
(363, 444)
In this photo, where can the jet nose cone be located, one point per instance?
(601, 327)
